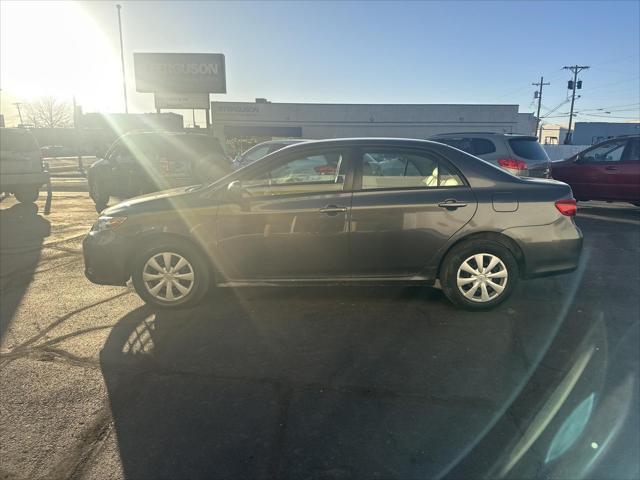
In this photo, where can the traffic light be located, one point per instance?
(570, 85)
(579, 84)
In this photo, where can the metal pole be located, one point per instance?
(539, 123)
(568, 139)
(193, 113)
(575, 69)
(124, 80)
(18, 104)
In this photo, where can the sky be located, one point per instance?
(335, 52)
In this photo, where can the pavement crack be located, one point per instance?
(82, 451)
(64, 318)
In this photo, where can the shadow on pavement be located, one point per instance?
(22, 233)
(316, 383)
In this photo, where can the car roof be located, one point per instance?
(354, 141)
(470, 134)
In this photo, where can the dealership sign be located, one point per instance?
(180, 72)
(181, 100)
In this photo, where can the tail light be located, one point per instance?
(512, 163)
(567, 207)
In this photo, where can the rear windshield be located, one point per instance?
(528, 148)
(13, 141)
(474, 146)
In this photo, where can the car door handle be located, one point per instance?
(333, 210)
(452, 203)
(611, 168)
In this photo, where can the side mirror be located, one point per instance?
(235, 190)
(578, 159)
(236, 194)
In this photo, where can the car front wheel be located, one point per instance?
(169, 275)
(479, 274)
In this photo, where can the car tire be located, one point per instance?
(180, 285)
(98, 194)
(473, 288)
(28, 194)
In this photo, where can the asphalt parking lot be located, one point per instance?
(271, 383)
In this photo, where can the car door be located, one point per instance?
(628, 174)
(406, 205)
(596, 174)
(288, 218)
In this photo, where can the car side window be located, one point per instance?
(315, 173)
(257, 154)
(399, 170)
(609, 152)
(632, 153)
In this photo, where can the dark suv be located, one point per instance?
(145, 162)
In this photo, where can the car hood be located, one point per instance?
(153, 202)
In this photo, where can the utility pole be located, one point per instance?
(124, 80)
(539, 92)
(18, 105)
(573, 84)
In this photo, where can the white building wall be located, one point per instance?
(315, 121)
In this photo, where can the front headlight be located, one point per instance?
(106, 222)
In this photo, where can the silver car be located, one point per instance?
(520, 155)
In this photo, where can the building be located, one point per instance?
(264, 120)
(588, 133)
(553, 134)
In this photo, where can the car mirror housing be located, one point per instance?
(235, 190)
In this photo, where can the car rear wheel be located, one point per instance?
(169, 275)
(479, 274)
(98, 194)
(28, 194)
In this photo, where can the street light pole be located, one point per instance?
(124, 80)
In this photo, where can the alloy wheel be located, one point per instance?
(168, 276)
(482, 277)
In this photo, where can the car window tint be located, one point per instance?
(632, 154)
(397, 170)
(482, 146)
(257, 154)
(609, 152)
(528, 148)
(463, 144)
(324, 172)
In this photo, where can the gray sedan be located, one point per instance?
(347, 211)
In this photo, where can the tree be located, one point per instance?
(49, 112)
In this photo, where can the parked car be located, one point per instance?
(262, 149)
(312, 214)
(521, 155)
(139, 163)
(22, 172)
(607, 171)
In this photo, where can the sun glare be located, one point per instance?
(56, 48)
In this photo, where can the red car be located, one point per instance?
(607, 171)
